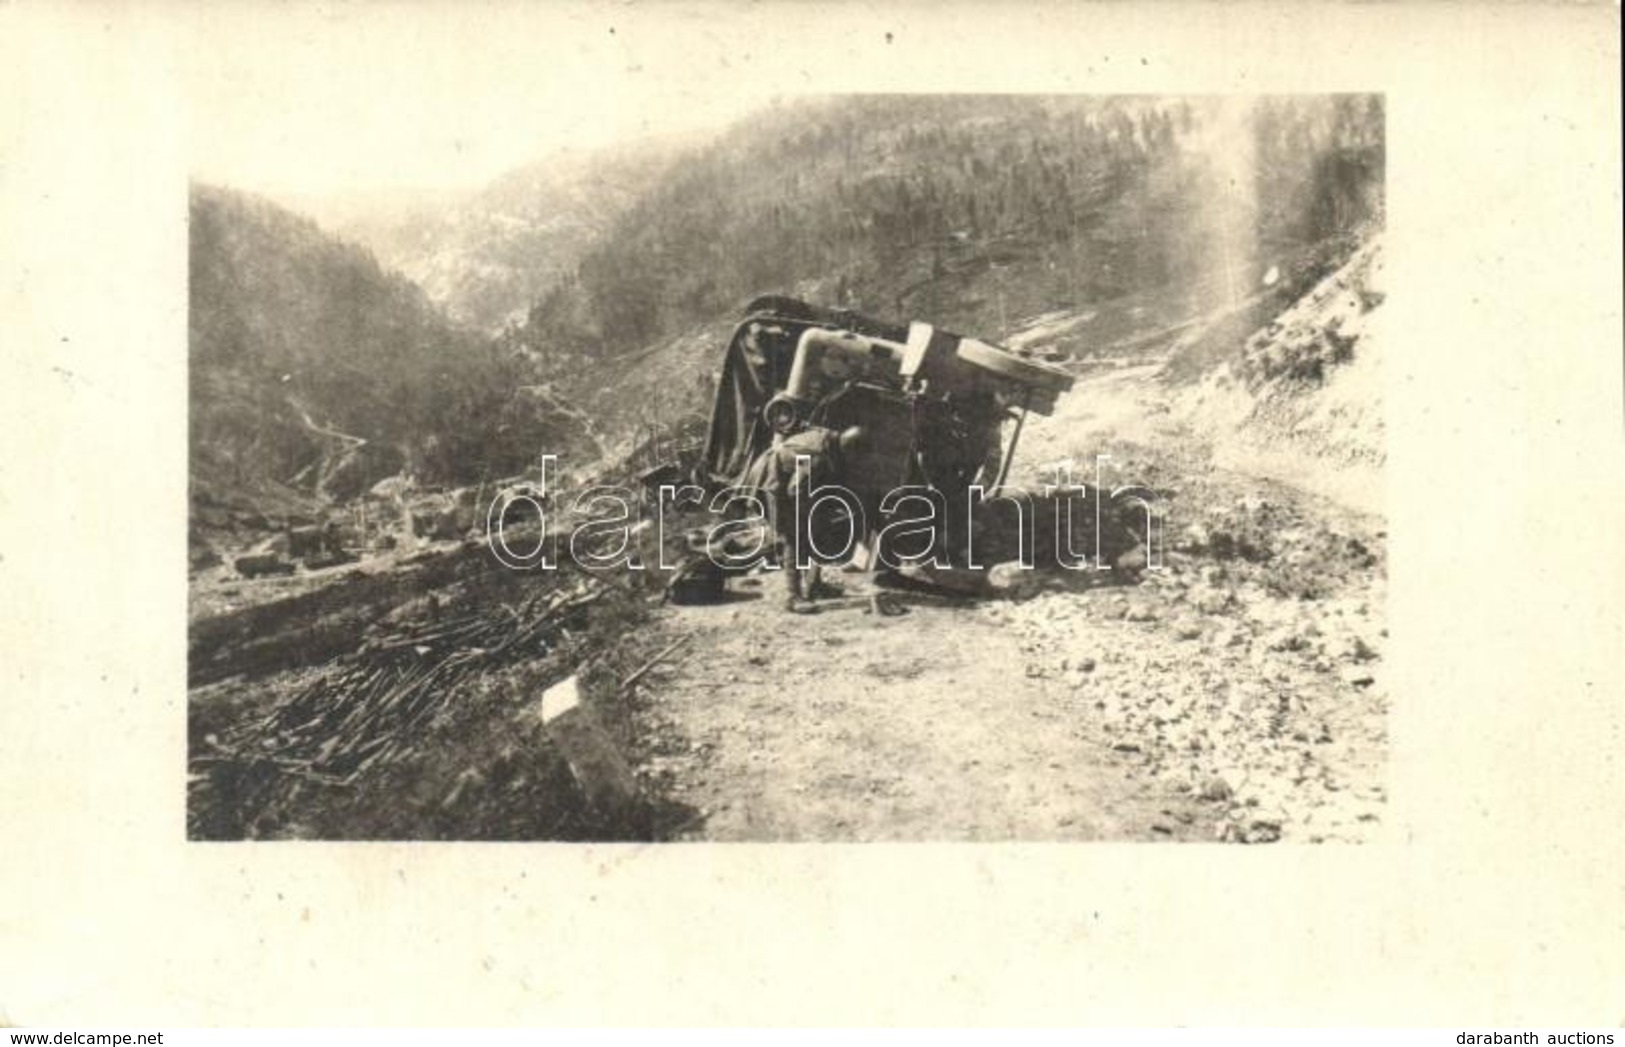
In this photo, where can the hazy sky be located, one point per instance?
(318, 100)
(311, 99)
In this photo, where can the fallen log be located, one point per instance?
(659, 657)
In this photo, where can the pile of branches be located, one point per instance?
(372, 707)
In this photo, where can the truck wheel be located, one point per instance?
(1008, 365)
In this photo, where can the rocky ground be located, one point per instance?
(846, 726)
(1234, 694)
(1232, 691)
(1246, 672)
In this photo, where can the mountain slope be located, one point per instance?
(966, 208)
(983, 214)
(1131, 217)
(315, 371)
(1302, 400)
(487, 257)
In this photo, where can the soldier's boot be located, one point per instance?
(798, 595)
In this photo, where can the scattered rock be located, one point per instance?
(1355, 676)
(1261, 831)
(1194, 538)
(1013, 581)
(1355, 649)
(1286, 639)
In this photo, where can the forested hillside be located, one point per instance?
(973, 211)
(1131, 216)
(485, 258)
(316, 367)
(316, 372)
(1195, 264)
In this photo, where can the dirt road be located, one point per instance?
(1234, 694)
(850, 726)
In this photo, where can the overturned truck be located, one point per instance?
(937, 411)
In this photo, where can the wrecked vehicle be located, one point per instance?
(933, 406)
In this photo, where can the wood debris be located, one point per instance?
(372, 707)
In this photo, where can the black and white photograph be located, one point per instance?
(808, 513)
(866, 468)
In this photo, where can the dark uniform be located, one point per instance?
(780, 473)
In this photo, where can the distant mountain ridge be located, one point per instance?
(485, 257)
(614, 276)
(315, 371)
(976, 213)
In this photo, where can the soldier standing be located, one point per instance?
(788, 473)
